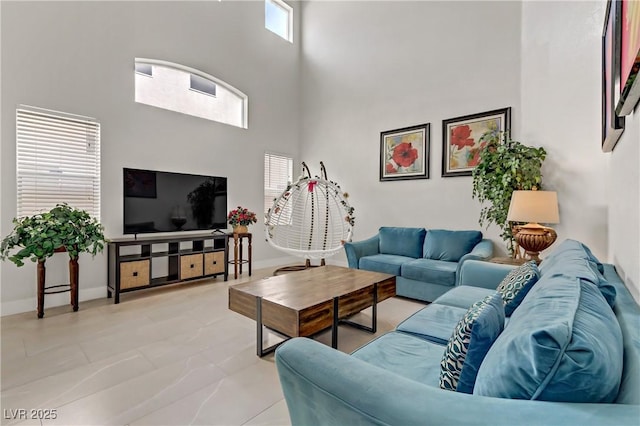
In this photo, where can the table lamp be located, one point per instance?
(534, 207)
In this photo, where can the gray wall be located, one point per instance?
(78, 57)
(561, 109)
(369, 67)
(354, 70)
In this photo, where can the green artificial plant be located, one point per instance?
(505, 166)
(62, 228)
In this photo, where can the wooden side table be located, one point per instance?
(238, 259)
(508, 260)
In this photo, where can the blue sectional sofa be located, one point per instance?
(569, 354)
(426, 262)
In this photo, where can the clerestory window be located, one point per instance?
(189, 91)
(278, 18)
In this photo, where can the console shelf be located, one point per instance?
(133, 261)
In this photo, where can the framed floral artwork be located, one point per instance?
(461, 144)
(623, 19)
(404, 153)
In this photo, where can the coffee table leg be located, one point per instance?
(374, 309)
(374, 314)
(260, 350)
(259, 326)
(334, 325)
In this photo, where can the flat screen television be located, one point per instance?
(156, 201)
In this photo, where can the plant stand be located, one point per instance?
(238, 258)
(72, 287)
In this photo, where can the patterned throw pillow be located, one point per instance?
(515, 286)
(473, 336)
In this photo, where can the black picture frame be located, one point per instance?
(461, 144)
(404, 153)
(612, 125)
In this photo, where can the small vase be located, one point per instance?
(240, 229)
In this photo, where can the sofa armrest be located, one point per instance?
(482, 251)
(483, 274)
(357, 249)
(324, 386)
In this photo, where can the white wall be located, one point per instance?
(561, 109)
(369, 67)
(375, 66)
(78, 57)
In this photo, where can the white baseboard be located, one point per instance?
(50, 301)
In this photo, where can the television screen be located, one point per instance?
(164, 202)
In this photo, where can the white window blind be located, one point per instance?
(278, 173)
(58, 160)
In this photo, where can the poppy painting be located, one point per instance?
(461, 144)
(623, 22)
(404, 153)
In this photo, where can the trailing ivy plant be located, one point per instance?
(505, 166)
(41, 235)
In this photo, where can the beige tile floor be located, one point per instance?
(169, 356)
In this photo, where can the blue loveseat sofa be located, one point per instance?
(569, 354)
(426, 263)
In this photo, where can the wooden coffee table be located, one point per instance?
(306, 302)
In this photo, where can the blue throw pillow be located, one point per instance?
(471, 340)
(401, 241)
(515, 286)
(441, 244)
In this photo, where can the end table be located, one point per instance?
(238, 260)
(508, 260)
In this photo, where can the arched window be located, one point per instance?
(182, 89)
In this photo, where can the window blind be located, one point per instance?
(278, 173)
(58, 160)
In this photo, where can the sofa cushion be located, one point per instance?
(515, 286)
(430, 271)
(387, 263)
(433, 323)
(442, 244)
(472, 337)
(569, 249)
(563, 343)
(401, 241)
(576, 256)
(463, 296)
(405, 355)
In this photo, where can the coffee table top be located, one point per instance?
(302, 289)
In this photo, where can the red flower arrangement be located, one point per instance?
(241, 216)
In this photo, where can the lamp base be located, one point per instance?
(534, 238)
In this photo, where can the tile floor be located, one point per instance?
(169, 356)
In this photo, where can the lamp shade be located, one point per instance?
(534, 207)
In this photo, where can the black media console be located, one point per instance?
(147, 262)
